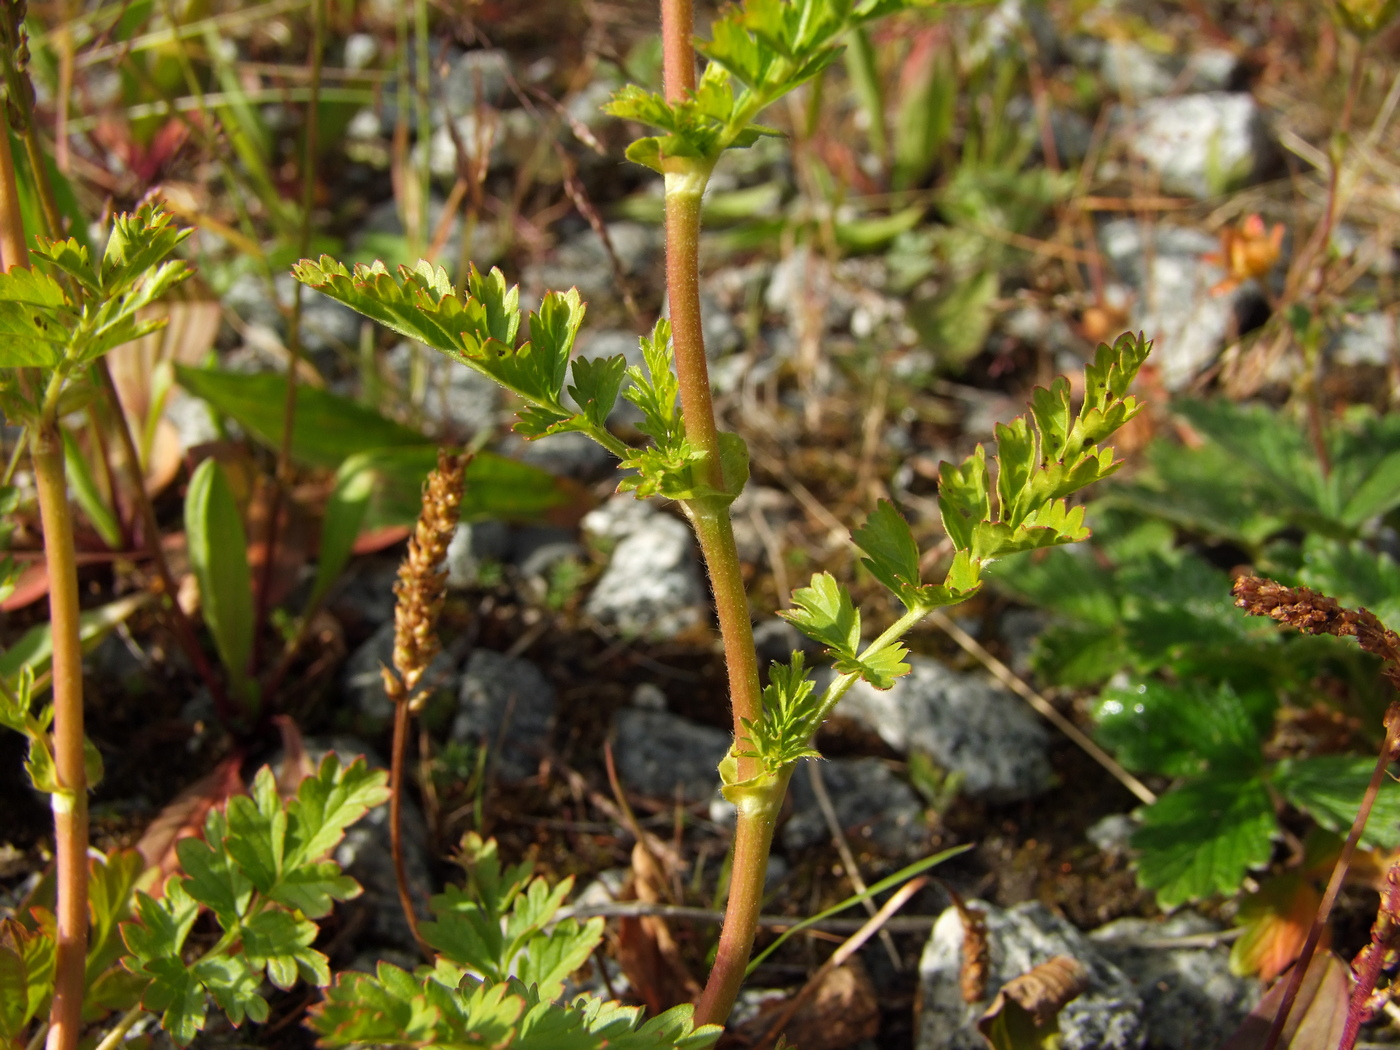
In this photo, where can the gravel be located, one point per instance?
(506, 705)
(1108, 1016)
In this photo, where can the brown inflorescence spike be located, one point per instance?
(1315, 613)
(421, 586)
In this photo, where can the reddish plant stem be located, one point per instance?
(1366, 969)
(396, 764)
(70, 814)
(13, 249)
(1334, 884)
(760, 803)
(753, 838)
(677, 51)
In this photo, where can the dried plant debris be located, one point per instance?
(1023, 1015)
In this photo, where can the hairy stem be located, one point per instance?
(753, 838)
(69, 801)
(753, 834)
(13, 249)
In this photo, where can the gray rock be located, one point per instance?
(1001, 30)
(569, 455)
(658, 753)
(1019, 629)
(872, 804)
(776, 640)
(1373, 250)
(1365, 339)
(192, 418)
(542, 560)
(1137, 73)
(369, 711)
(473, 544)
(1108, 1016)
(455, 398)
(582, 261)
(652, 583)
(618, 518)
(506, 705)
(1202, 145)
(1174, 305)
(1191, 1000)
(478, 77)
(965, 723)
(366, 854)
(367, 592)
(1113, 833)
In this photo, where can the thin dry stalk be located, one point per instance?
(842, 954)
(1043, 707)
(420, 590)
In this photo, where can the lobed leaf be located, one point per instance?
(824, 612)
(1202, 838)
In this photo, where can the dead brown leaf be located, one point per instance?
(1042, 992)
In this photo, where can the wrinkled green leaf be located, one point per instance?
(1329, 788)
(1202, 838)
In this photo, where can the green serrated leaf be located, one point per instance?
(892, 556)
(1202, 838)
(214, 879)
(963, 497)
(597, 382)
(879, 668)
(549, 959)
(1182, 729)
(824, 612)
(328, 803)
(1329, 788)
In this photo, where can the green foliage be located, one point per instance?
(44, 325)
(1151, 608)
(765, 49)
(480, 329)
(498, 979)
(1201, 838)
(495, 925)
(218, 549)
(262, 871)
(1256, 474)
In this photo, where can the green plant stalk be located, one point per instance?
(70, 816)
